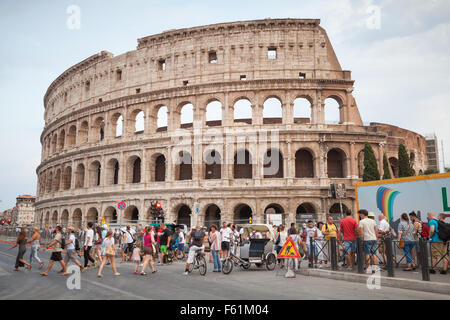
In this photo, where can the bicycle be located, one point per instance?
(199, 263)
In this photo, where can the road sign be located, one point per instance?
(122, 205)
(289, 250)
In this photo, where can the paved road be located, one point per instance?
(170, 283)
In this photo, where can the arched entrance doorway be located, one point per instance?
(304, 213)
(212, 216)
(242, 213)
(184, 215)
(131, 214)
(274, 214)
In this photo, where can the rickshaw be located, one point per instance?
(252, 250)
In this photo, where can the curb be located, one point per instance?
(402, 283)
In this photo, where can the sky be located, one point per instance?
(397, 51)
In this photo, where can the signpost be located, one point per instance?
(289, 251)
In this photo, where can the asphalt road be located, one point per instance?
(170, 283)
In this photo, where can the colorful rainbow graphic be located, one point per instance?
(385, 201)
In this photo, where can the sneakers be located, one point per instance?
(443, 272)
(95, 264)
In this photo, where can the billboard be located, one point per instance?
(421, 194)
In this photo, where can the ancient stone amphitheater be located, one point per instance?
(217, 123)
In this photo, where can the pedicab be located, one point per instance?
(252, 250)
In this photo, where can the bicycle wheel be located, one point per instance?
(201, 262)
(192, 265)
(246, 266)
(227, 266)
(271, 261)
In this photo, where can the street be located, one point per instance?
(170, 284)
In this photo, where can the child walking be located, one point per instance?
(136, 257)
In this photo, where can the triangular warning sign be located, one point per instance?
(289, 250)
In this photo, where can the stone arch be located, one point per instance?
(214, 113)
(49, 182)
(83, 133)
(95, 169)
(184, 215)
(54, 221)
(71, 136)
(134, 169)
(65, 218)
(241, 213)
(131, 213)
(79, 176)
(273, 163)
(57, 180)
(186, 115)
(137, 123)
(162, 118)
(158, 167)
(412, 158)
(274, 208)
(302, 110)
(212, 215)
(184, 166)
(47, 219)
(61, 140)
(393, 163)
(98, 129)
(110, 215)
(361, 163)
(242, 110)
(213, 164)
(336, 163)
(242, 165)
(335, 211)
(304, 212)
(77, 217)
(67, 178)
(272, 110)
(116, 125)
(333, 110)
(92, 215)
(304, 164)
(54, 143)
(112, 171)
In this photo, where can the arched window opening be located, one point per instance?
(332, 111)
(185, 166)
(272, 111)
(243, 165)
(304, 164)
(187, 116)
(160, 168)
(302, 111)
(162, 119)
(243, 111)
(213, 165)
(214, 114)
(335, 163)
(273, 164)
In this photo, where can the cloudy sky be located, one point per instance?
(400, 62)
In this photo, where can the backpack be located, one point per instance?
(425, 233)
(443, 231)
(63, 243)
(198, 235)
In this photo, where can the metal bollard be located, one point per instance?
(311, 256)
(360, 255)
(389, 256)
(334, 265)
(424, 258)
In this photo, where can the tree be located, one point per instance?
(371, 172)
(404, 165)
(386, 172)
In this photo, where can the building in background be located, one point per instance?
(432, 151)
(24, 209)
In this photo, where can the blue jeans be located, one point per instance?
(409, 245)
(216, 259)
(316, 251)
(33, 254)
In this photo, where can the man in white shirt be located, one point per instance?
(368, 230)
(384, 230)
(225, 233)
(129, 233)
(71, 254)
(88, 237)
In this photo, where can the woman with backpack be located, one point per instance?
(35, 242)
(22, 243)
(149, 250)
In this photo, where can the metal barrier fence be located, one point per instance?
(388, 253)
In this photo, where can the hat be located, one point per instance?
(371, 214)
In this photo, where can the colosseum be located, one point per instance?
(218, 123)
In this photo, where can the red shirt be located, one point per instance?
(157, 237)
(348, 226)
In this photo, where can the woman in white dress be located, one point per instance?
(320, 244)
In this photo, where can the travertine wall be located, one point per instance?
(173, 69)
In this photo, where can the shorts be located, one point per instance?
(225, 245)
(56, 256)
(181, 247)
(438, 250)
(370, 247)
(350, 246)
(192, 251)
(148, 250)
(163, 248)
(129, 248)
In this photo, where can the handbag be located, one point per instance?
(401, 243)
(110, 251)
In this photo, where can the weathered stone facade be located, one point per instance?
(88, 167)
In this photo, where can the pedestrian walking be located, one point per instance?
(368, 231)
(35, 243)
(88, 241)
(110, 254)
(56, 253)
(406, 240)
(215, 240)
(98, 246)
(136, 257)
(181, 243)
(21, 241)
(71, 253)
(149, 250)
(164, 237)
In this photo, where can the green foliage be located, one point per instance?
(404, 165)
(386, 172)
(371, 172)
(431, 171)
